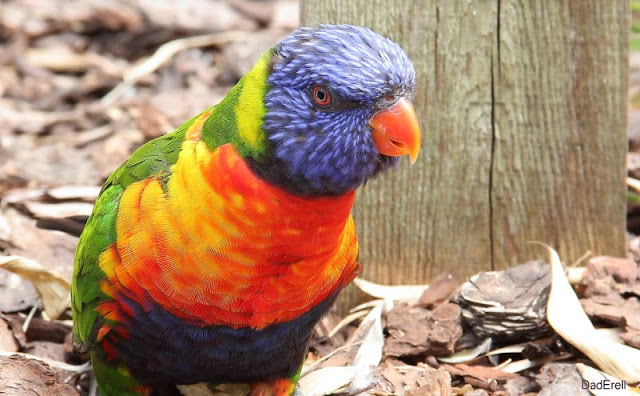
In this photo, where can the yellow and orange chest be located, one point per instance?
(217, 245)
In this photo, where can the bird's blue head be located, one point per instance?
(338, 109)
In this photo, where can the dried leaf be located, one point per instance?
(84, 193)
(509, 349)
(524, 364)
(346, 321)
(390, 292)
(331, 380)
(53, 289)
(468, 354)
(58, 210)
(362, 374)
(440, 289)
(370, 352)
(568, 319)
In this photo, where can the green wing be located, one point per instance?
(237, 120)
(154, 158)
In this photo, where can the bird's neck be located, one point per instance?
(238, 118)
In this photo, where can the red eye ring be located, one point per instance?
(321, 96)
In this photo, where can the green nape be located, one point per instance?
(238, 118)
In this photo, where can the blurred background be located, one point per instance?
(83, 83)
(79, 93)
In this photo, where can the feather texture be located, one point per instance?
(213, 251)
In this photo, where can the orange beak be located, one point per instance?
(396, 131)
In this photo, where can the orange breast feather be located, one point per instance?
(221, 246)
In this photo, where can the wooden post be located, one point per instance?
(523, 112)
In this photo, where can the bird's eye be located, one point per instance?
(321, 96)
(390, 99)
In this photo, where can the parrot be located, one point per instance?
(214, 250)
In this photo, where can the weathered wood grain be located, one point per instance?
(560, 129)
(522, 106)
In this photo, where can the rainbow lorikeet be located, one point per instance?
(213, 251)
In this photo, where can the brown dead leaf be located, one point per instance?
(568, 319)
(60, 59)
(440, 289)
(53, 289)
(151, 120)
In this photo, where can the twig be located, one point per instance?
(322, 359)
(93, 387)
(164, 54)
(346, 321)
(27, 321)
(582, 258)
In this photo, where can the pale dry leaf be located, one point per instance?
(568, 319)
(524, 364)
(509, 349)
(612, 334)
(63, 60)
(365, 305)
(358, 377)
(53, 289)
(85, 193)
(395, 293)
(310, 368)
(467, 354)
(633, 183)
(58, 210)
(331, 380)
(575, 274)
(370, 351)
